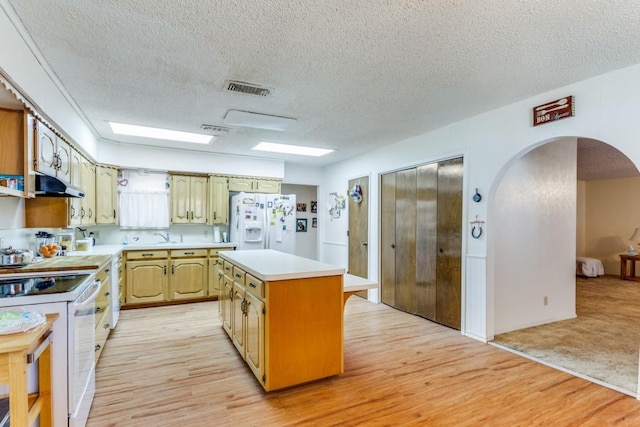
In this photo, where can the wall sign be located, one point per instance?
(553, 111)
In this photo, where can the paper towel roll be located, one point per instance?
(216, 235)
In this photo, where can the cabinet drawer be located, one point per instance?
(102, 332)
(228, 268)
(103, 274)
(102, 300)
(238, 274)
(184, 253)
(214, 252)
(147, 254)
(254, 285)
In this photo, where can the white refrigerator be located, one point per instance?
(263, 221)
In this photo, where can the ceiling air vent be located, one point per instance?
(214, 129)
(247, 88)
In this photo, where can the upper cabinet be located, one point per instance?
(16, 177)
(189, 199)
(254, 185)
(53, 154)
(219, 199)
(88, 184)
(106, 194)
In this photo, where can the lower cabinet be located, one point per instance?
(103, 310)
(158, 276)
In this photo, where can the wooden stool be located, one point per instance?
(17, 351)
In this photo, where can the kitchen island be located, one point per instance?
(283, 313)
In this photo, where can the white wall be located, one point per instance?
(535, 242)
(306, 242)
(606, 107)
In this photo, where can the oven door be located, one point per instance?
(82, 354)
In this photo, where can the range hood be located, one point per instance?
(49, 186)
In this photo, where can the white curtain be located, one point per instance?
(143, 199)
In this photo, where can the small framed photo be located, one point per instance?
(301, 207)
(314, 222)
(301, 225)
(314, 206)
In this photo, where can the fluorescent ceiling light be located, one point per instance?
(158, 133)
(255, 120)
(291, 149)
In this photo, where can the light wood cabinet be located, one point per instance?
(53, 154)
(188, 274)
(75, 203)
(103, 311)
(224, 300)
(16, 129)
(106, 194)
(189, 198)
(216, 272)
(146, 277)
(219, 199)
(88, 184)
(254, 185)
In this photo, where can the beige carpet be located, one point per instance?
(601, 343)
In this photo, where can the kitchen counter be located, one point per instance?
(61, 263)
(269, 265)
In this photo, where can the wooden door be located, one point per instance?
(179, 195)
(426, 242)
(238, 318)
(146, 281)
(215, 277)
(46, 160)
(388, 239)
(224, 303)
(76, 180)
(199, 199)
(219, 200)
(88, 203)
(359, 231)
(63, 150)
(254, 344)
(269, 186)
(449, 231)
(106, 194)
(241, 184)
(405, 258)
(188, 278)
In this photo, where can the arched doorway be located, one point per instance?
(546, 218)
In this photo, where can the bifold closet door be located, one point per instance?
(405, 258)
(449, 232)
(388, 239)
(427, 240)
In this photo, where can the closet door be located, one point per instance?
(449, 232)
(388, 239)
(405, 258)
(427, 240)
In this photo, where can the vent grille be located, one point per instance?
(246, 88)
(214, 129)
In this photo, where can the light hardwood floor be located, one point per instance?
(174, 366)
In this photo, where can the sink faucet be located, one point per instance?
(166, 238)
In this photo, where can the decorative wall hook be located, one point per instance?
(477, 197)
(476, 228)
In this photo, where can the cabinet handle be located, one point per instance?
(215, 215)
(252, 285)
(114, 213)
(165, 269)
(97, 347)
(393, 246)
(106, 294)
(173, 269)
(147, 254)
(90, 213)
(107, 326)
(73, 212)
(187, 215)
(189, 253)
(238, 275)
(98, 309)
(81, 212)
(231, 295)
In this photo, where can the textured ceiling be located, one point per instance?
(597, 160)
(355, 75)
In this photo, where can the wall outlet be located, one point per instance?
(546, 300)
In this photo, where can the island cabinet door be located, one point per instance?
(254, 345)
(188, 278)
(238, 318)
(146, 281)
(224, 303)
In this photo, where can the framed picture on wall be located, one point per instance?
(314, 222)
(314, 206)
(301, 207)
(301, 225)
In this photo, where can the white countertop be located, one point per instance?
(269, 265)
(116, 249)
